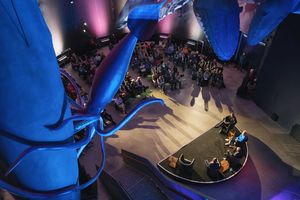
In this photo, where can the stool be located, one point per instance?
(173, 162)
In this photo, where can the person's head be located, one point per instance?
(244, 132)
(215, 160)
(238, 149)
(232, 114)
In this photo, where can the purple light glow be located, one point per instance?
(246, 15)
(166, 25)
(96, 13)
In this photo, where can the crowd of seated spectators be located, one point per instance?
(148, 60)
(208, 72)
(86, 65)
(130, 88)
(70, 90)
(205, 71)
(160, 63)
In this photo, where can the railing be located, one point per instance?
(168, 185)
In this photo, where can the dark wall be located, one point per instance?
(278, 88)
(65, 22)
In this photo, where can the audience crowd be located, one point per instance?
(160, 63)
(130, 89)
(164, 65)
(86, 65)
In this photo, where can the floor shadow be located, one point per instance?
(215, 94)
(159, 142)
(195, 93)
(182, 131)
(168, 111)
(137, 121)
(174, 101)
(225, 100)
(205, 97)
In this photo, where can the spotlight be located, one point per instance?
(85, 23)
(84, 30)
(71, 2)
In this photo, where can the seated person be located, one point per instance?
(129, 90)
(228, 123)
(214, 164)
(154, 80)
(107, 118)
(213, 168)
(239, 141)
(140, 87)
(234, 158)
(142, 69)
(161, 83)
(120, 104)
(236, 153)
(133, 87)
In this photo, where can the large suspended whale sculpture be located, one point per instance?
(170, 7)
(268, 16)
(36, 149)
(36, 129)
(220, 20)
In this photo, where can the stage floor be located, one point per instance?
(205, 147)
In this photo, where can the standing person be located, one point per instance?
(120, 104)
(206, 77)
(177, 80)
(107, 118)
(161, 83)
(228, 123)
(140, 87)
(243, 61)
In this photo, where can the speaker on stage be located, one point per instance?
(295, 132)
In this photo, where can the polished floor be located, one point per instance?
(272, 172)
(158, 131)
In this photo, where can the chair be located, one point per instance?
(184, 165)
(173, 162)
(213, 173)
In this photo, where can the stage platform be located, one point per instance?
(207, 146)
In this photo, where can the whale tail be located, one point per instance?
(142, 20)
